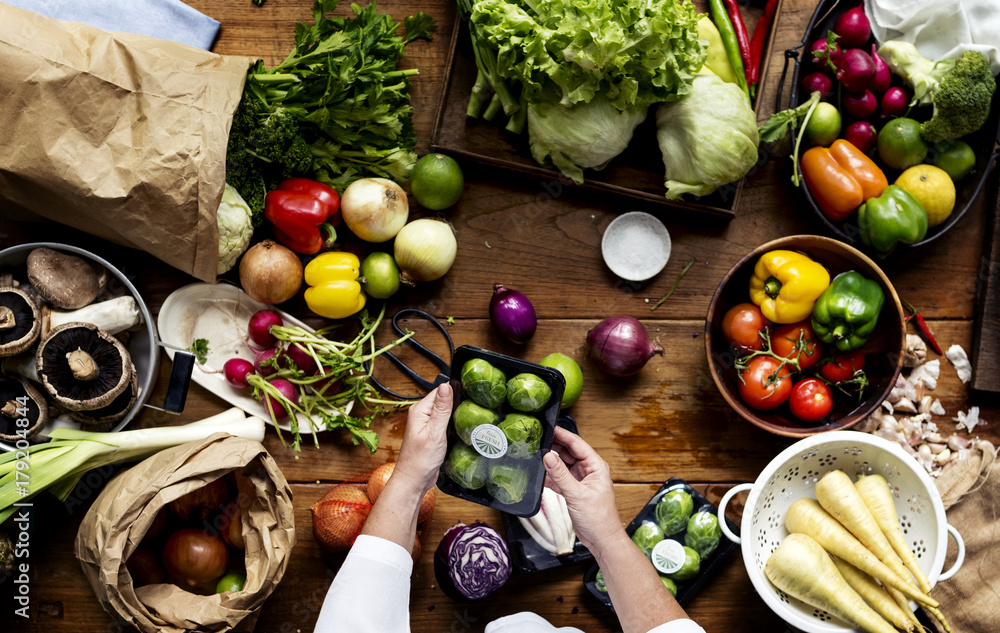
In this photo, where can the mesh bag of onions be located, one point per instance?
(164, 536)
(340, 514)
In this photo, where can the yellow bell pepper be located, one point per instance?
(334, 291)
(786, 284)
(716, 59)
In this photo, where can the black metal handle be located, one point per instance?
(791, 53)
(180, 380)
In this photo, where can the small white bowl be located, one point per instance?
(636, 246)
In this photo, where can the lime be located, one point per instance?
(230, 582)
(956, 158)
(380, 275)
(571, 372)
(900, 145)
(824, 125)
(436, 182)
(933, 189)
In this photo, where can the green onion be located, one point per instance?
(71, 453)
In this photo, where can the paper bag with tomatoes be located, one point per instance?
(194, 538)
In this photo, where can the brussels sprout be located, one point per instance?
(466, 467)
(599, 582)
(646, 536)
(528, 392)
(468, 416)
(690, 568)
(669, 584)
(703, 533)
(507, 483)
(524, 435)
(484, 383)
(673, 511)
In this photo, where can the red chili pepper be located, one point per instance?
(759, 39)
(922, 326)
(742, 38)
(301, 210)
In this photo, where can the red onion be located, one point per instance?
(860, 105)
(855, 70)
(259, 327)
(236, 371)
(853, 27)
(620, 345)
(818, 82)
(512, 314)
(193, 556)
(263, 356)
(894, 102)
(861, 134)
(201, 502)
(880, 82)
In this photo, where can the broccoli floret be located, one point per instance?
(960, 89)
(265, 147)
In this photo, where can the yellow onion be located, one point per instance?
(270, 273)
(425, 250)
(375, 209)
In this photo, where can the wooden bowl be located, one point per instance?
(883, 351)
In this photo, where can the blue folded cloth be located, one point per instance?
(166, 19)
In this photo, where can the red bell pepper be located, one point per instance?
(301, 211)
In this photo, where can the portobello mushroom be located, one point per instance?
(19, 321)
(20, 400)
(114, 412)
(66, 281)
(83, 367)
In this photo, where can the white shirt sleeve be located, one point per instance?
(527, 622)
(374, 568)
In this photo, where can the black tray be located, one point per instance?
(983, 142)
(527, 555)
(510, 366)
(709, 567)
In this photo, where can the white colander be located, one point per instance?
(794, 472)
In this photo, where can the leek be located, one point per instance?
(71, 453)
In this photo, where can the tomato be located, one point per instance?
(785, 343)
(843, 366)
(759, 389)
(811, 400)
(741, 325)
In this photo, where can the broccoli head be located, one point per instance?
(959, 89)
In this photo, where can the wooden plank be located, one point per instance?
(986, 335)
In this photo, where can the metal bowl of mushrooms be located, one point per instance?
(77, 344)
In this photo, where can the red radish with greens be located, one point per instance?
(471, 562)
(818, 82)
(274, 406)
(861, 134)
(853, 27)
(825, 51)
(265, 362)
(894, 102)
(512, 314)
(855, 70)
(236, 371)
(882, 77)
(304, 362)
(259, 328)
(620, 345)
(860, 105)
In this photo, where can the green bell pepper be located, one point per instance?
(893, 217)
(847, 311)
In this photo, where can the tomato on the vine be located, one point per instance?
(741, 326)
(765, 383)
(843, 366)
(785, 342)
(811, 400)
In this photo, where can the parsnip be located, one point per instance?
(873, 593)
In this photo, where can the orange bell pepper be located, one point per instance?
(841, 178)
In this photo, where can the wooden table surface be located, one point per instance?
(668, 421)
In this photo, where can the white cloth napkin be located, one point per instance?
(940, 29)
(166, 19)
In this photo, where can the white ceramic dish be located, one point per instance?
(220, 313)
(793, 474)
(636, 246)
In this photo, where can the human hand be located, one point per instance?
(577, 472)
(425, 439)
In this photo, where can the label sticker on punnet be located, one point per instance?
(489, 441)
(668, 556)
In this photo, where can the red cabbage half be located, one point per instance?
(471, 562)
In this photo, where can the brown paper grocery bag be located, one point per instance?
(122, 136)
(116, 523)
